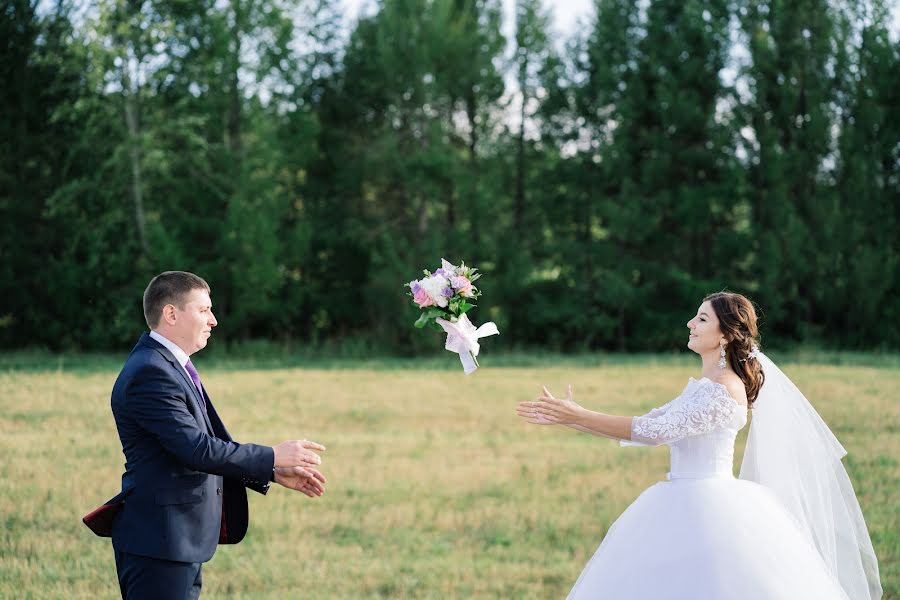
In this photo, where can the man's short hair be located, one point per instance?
(170, 287)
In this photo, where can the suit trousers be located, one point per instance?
(145, 578)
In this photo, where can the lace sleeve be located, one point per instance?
(697, 411)
(655, 412)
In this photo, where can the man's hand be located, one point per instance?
(302, 479)
(298, 453)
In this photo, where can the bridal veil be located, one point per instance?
(792, 451)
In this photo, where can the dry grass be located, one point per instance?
(435, 489)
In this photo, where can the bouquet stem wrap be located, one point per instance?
(462, 338)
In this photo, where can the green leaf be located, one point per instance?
(422, 321)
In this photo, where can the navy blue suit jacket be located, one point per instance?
(181, 465)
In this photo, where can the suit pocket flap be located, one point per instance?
(189, 496)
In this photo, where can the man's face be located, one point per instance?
(194, 322)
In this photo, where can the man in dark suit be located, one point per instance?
(183, 486)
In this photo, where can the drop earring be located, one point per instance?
(722, 357)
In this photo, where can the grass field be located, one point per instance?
(435, 489)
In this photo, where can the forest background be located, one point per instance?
(307, 165)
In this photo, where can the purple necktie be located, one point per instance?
(195, 376)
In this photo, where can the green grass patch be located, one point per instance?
(435, 489)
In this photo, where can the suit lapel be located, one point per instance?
(195, 393)
(200, 406)
(218, 428)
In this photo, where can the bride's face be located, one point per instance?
(705, 335)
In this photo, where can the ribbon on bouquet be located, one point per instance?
(462, 338)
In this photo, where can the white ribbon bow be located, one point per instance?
(462, 338)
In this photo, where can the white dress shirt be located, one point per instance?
(179, 354)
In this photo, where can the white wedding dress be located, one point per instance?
(704, 534)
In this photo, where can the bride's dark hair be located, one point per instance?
(737, 320)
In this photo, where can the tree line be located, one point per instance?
(307, 167)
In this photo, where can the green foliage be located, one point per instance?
(603, 186)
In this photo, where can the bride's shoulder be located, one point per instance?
(734, 386)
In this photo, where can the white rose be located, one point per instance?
(434, 286)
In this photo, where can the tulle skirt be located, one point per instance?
(706, 539)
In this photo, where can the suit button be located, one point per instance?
(219, 491)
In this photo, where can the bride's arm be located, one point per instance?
(656, 412)
(584, 429)
(548, 410)
(588, 421)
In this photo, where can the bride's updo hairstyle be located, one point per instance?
(737, 320)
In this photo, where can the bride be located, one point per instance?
(789, 528)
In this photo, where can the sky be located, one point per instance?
(565, 12)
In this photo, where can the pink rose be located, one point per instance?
(462, 285)
(422, 298)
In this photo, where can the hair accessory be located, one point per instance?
(752, 355)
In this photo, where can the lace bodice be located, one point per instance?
(699, 426)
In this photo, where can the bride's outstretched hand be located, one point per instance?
(548, 410)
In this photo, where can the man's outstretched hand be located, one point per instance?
(298, 453)
(302, 479)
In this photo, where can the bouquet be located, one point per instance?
(445, 297)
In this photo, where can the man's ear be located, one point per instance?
(168, 314)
